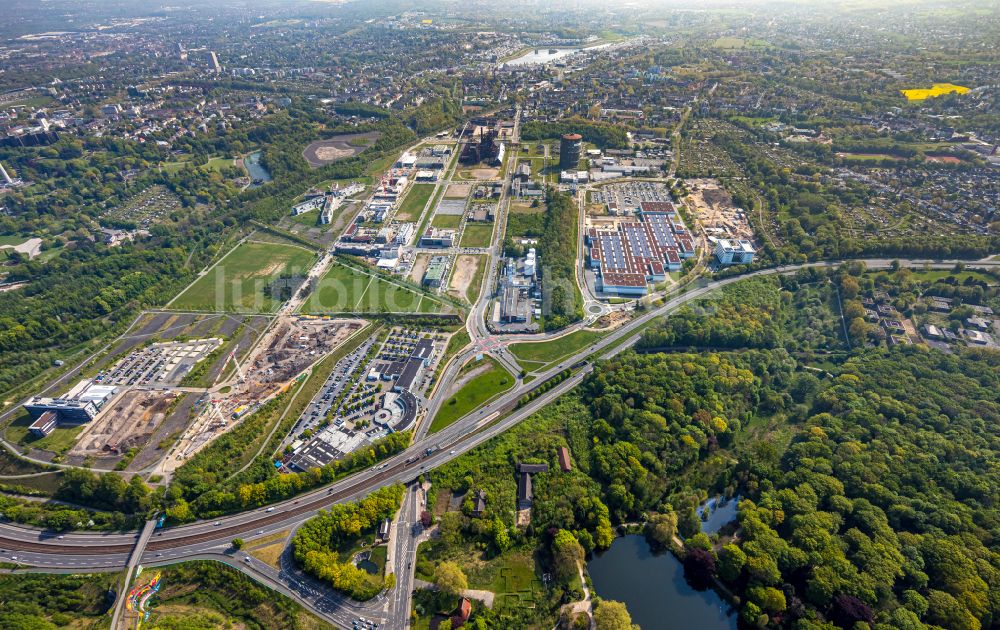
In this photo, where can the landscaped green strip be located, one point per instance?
(475, 393)
(549, 352)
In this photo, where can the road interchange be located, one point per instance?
(85, 552)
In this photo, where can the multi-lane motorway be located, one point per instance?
(92, 551)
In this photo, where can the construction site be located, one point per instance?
(127, 423)
(289, 348)
(716, 212)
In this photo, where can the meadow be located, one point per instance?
(238, 282)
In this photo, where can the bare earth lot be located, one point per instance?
(462, 275)
(130, 422)
(323, 152)
(419, 267)
(458, 191)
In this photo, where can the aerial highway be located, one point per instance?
(48, 551)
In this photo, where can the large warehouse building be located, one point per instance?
(638, 252)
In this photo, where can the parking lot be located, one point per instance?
(628, 195)
(371, 398)
(315, 414)
(159, 364)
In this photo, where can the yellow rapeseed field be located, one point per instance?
(920, 94)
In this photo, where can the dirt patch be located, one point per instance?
(323, 152)
(716, 212)
(172, 427)
(130, 422)
(524, 517)
(944, 159)
(483, 174)
(419, 267)
(611, 320)
(458, 191)
(462, 274)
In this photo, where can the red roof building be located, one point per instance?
(564, 461)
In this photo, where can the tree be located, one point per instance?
(858, 329)
(450, 579)
(567, 554)
(661, 529)
(848, 610)
(769, 599)
(237, 543)
(612, 615)
(451, 528)
(849, 287)
(947, 612)
(731, 561)
(501, 537)
(699, 567)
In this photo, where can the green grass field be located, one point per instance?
(12, 240)
(238, 281)
(214, 164)
(531, 354)
(477, 235)
(59, 441)
(449, 221)
(218, 163)
(473, 394)
(414, 202)
(347, 290)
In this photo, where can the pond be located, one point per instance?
(654, 589)
(258, 174)
(721, 512)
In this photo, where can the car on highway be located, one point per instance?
(217, 523)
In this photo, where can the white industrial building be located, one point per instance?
(734, 252)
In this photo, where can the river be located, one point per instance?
(653, 588)
(258, 174)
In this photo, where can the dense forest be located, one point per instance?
(193, 596)
(48, 602)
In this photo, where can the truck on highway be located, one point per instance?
(430, 451)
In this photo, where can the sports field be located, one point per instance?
(347, 290)
(239, 281)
